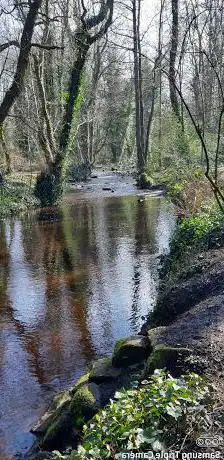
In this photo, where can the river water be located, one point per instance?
(73, 280)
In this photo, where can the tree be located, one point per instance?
(173, 56)
(16, 87)
(49, 184)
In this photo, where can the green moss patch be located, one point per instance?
(59, 405)
(83, 405)
(81, 381)
(131, 350)
(166, 357)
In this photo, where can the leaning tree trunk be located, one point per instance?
(18, 81)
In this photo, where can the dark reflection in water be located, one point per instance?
(72, 281)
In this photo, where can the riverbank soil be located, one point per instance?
(200, 326)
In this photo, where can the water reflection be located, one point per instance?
(72, 281)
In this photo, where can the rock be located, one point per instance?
(44, 455)
(144, 181)
(103, 371)
(107, 189)
(67, 413)
(59, 404)
(65, 423)
(81, 381)
(168, 357)
(58, 428)
(131, 350)
(94, 176)
(154, 335)
(84, 405)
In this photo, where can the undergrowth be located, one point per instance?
(194, 234)
(16, 197)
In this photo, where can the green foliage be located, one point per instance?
(170, 145)
(65, 96)
(176, 179)
(153, 416)
(205, 230)
(16, 197)
(199, 232)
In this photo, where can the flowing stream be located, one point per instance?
(73, 280)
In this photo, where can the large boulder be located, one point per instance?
(62, 419)
(166, 357)
(131, 350)
(103, 371)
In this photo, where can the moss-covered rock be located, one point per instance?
(59, 405)
(69, 416)
(131, 350)
(83, 379)
(84, 405)
(168, 357)
(103, 371)
(144, 180)
(59, 427)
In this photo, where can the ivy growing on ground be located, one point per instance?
(204, 229)
(152, 416)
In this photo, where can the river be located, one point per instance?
(73, 280)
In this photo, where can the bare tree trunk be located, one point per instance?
(22, 64)
(23, 60)
(50, 149)
(138, 89)
(173, 55)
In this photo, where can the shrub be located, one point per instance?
(199, 232)
(204, 230)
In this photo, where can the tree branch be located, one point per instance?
(4, 46)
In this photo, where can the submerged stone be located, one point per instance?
(103, 371)
(168, 357)
(131, 350)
